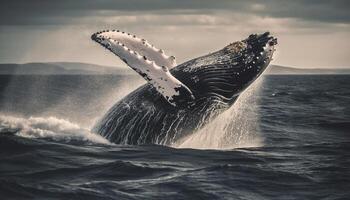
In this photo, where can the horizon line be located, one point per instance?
(110, 66)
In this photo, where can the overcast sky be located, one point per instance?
(311, 33)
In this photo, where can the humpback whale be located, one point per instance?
(178, 99)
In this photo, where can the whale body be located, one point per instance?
(200, 90)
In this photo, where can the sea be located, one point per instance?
(286, 137)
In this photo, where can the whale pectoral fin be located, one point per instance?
(141, 46)
(174, 91)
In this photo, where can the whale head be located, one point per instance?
(221, 76)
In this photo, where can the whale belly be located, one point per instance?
(144, 117)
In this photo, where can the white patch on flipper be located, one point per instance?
(142, 47)
(158, 76)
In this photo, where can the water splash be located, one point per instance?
(49, 128)
(79, 99)
(238, 127)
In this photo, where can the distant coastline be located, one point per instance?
(61, 68)
(75, 68)
(281, 70)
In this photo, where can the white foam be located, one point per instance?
(48, 127)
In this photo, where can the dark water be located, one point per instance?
(304, 122)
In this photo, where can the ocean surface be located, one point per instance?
(287, 137)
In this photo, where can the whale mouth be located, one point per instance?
(263, 45)
(259, 52)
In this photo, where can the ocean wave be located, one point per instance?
(47, 127)
(344, 125)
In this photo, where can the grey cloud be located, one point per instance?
(316, 10)
(38, 12)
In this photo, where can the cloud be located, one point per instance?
(51, 12)
(33, 30)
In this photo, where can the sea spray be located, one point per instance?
(101, 100)
(115, 94)
(238, 127)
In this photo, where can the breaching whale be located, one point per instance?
(178, 99)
